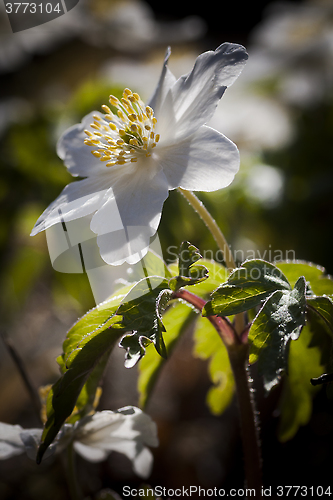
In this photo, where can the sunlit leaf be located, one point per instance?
(217, 274)
(320, 282)
(279, 321)
(246, 288)
(323, 306)
(176, 321)
(142, 315)
(304, 363)
(208, 345)
(189, 273)
(80, 364)
(85, 353)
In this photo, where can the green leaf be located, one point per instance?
(246, 288)
(217, 274)
(85, 352)
(92, 321)
(176, 321)
(208, 345)
(323, 306)
(320, 282)
(319, 319)
(280, 320)
(296, 403)
(142, 315)
(80, 365)
(87, 398)
(189, 274)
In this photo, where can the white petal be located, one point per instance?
(138, 197)
(31, 440)
(167, 79)
(77, 155)
(140, 456)
(126, 431)
(78, 199)
(192, 100)
(106, 427)
(90, 453)
(143, 462)
(10, 441)
(207, 161)
(137, 424)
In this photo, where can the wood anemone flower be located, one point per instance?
(131, 155)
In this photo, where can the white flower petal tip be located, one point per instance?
(128, 431)
(133, 154)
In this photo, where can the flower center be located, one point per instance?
(122, 137)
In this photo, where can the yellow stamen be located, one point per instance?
(121, 115)
(125, 133)
(113, 100)
(106, 109)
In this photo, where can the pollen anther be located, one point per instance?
(122, 135)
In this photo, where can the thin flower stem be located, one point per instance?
(221, 242)
(23, 373)
(73, 484)
(210, 222)
(221, 324)
(238, 352)
(238, 356)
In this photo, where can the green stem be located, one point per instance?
(73, 484)
(210, 222)
(221, 242)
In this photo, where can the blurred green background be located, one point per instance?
(280, 115)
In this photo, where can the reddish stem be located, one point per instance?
(222, 325)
